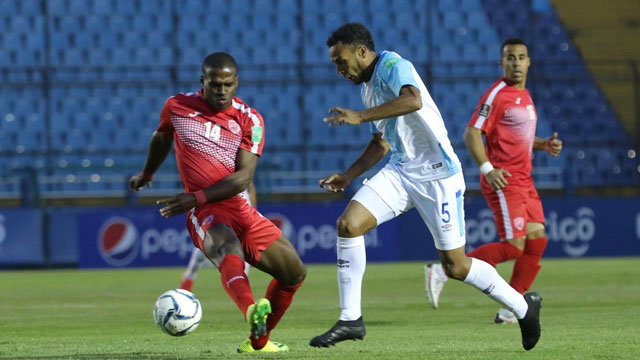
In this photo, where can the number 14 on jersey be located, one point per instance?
(212, 131)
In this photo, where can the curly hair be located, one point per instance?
(352, 34)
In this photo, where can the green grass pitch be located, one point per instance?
(591, 310)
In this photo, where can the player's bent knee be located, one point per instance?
(537, 234)
(299, 276)
(348, 227)
(456, 271)
(220, 242)
(517, 242)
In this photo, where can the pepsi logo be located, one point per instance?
(118, 241)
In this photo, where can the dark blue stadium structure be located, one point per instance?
(82, 83)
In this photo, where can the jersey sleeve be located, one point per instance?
(487, 112)
(373, 128)
(166, 127)
(396, 72)
(253, 133)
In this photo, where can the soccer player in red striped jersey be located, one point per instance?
(507, 117)
(218, 140)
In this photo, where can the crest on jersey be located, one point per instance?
(234, 127)
(519, 223)
(485, 109)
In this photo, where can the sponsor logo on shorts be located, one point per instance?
(207, 220)
(446, 227)
(436, 166)
(343, 263)
(519, 223)
(485, 109)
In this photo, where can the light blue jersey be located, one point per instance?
(420, 147)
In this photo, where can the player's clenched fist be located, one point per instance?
(496, 179)
(335, 182)
(137, 182)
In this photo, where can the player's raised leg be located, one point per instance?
(450, 241)
(485, 278)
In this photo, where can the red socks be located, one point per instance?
(235, 282)
(527, 265)
(495, 253)
(280, 297)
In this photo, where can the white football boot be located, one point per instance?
(434, 282)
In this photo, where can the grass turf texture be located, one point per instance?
(591, 309)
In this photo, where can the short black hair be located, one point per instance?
(352, 34)
(219, 60)
(512, 41)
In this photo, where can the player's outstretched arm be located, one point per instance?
(475, 146)
(159, 148)
(552, 145)
(224, 188)
(375, 150)
(407, 102)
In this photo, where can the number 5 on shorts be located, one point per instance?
(445, 212)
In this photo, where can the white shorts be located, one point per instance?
(439, 202)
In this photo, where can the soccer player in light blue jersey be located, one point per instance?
(423, 172)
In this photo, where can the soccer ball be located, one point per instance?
(177, 312)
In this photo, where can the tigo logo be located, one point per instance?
(118, 241)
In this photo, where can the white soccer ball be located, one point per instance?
(177, 312)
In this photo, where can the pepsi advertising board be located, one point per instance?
(132, 238)
(141, 237)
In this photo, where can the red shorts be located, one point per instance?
(513, 207)
(254, 231)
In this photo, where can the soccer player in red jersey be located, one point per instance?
(218, 140)
(507, 117)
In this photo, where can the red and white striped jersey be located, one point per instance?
(508, 119)
(207, 140)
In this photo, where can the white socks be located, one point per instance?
(352, 260)
(485, 278)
